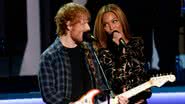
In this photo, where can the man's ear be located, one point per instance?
(68, 23)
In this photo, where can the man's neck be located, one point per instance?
(67, 41)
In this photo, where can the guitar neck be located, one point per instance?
(137, 89)
(155, 81)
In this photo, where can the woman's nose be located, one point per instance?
(111, 27)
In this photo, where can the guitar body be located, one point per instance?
(88, 98)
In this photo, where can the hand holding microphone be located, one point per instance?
(117, 38)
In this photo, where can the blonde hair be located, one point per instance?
(69, 12)
(98, 26)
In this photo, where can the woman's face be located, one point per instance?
(111, 23)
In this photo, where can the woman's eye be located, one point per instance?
(105, 25)
(114, 21)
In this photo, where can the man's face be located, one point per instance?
(79, 28)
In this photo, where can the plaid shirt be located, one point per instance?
(55, 77)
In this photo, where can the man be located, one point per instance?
(64, 75)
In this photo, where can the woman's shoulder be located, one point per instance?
(136, 40)
(104, 52)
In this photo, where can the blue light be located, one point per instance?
(157, 98)
(22, 101)
(167, 98)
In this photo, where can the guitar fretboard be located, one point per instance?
(131, 92)
(136, 90)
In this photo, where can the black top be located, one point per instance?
(80, 76)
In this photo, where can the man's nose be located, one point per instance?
(88, 28)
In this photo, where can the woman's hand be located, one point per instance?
(122, 100)
(116, 37)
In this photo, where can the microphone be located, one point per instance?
(121, 41)
(88, 37)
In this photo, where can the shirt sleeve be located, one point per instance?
(47, 80)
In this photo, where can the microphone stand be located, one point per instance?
(108, 91)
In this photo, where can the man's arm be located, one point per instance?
(48, 80)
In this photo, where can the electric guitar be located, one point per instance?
(154, 81)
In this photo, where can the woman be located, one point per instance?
(121, 55)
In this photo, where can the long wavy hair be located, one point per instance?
(99, 32)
